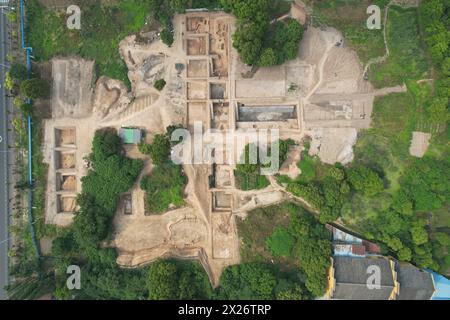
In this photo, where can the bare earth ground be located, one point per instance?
(419, 143)
(323, 86)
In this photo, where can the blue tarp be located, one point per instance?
(442, 286)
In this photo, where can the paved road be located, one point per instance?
(5, 104)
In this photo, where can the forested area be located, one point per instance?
(434, 16)
(259, 41)
(385, 194)
(83, 243)
(296, 243)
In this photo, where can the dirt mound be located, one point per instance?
(333, 144)
(111, 98)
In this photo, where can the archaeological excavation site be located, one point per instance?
(321, 96)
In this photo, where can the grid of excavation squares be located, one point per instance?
(206, 40)
(65, 173)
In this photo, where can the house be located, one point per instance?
(415, 284)
(130, 135)
(355, 278)
(346, 244)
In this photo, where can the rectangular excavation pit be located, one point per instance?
(219, 67)
(223, 176)
(65, 159)
(197, 24)
(220, 115)
(196, 46)
(65, 137)
(197, 68)
(274, 113)
(217, 90)
(197, 90)
(66, 182)
(66, 204)
(221, 201)
(126, 204)
(197, 113)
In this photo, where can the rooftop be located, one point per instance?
(415, 284)
(130, 135)
(352, 275)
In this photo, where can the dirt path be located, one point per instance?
(277, 187)
(388, 90)
(386, 54)
(321, 67)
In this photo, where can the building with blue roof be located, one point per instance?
(442, 285)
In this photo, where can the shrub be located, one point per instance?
(167, 37)
(160, 149)
(35, 88)
(18, 72)
(159, 84)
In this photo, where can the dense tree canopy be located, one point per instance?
(247, 281)
(365, 180)
(177, 280)
(257, 40)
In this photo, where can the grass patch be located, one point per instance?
(103, 26)
(407, 59)
(349, 16)
(385, 147)
(281, 242)
(259, 225)
(307, 166)
(245, 181)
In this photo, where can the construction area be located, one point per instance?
(321, 95)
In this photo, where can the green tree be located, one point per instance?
(438, 110)
(446, 66)
(35, 88)
(105, 144)
(267, 58)
(26, 108)
(293, 293)
(404, 254)
(365, 180)
(167, 37)
(162, 281)
(18, 72)
(442, 238)
(145, 148)
(418, 233)
(160, 84)
(160, 149)
(164, 187)
(314, 251)
(247, 281)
